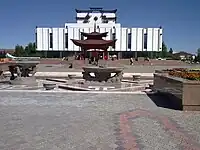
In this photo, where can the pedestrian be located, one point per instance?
(131, 61)
(105, 57)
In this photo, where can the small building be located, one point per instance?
(131, 42)
(10, 51)
(183, 55)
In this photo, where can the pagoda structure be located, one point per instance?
(94, 41)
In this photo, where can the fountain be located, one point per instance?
(100, 77)
(22, 70)
(103, 73)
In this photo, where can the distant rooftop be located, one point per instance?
(6, 49)
(95, 9)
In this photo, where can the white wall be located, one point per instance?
(133, 39)
(154, 37)
(139, 36)
(98, 15)
(124, 39)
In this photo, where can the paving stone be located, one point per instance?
(76, 121)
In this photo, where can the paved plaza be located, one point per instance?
(138, 67)
(93, 121)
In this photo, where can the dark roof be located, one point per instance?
(182, 53)
(93, 44)
(95, 35)
(101, 10)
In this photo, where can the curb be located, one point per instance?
(79, 74)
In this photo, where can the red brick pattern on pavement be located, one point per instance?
(129, 141)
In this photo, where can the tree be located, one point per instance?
(19, 51)
(30, 49)
(164, 50)
(198, 54)
(171, 51)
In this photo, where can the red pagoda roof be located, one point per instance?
(94, 41)
(94, 34)
(94, 44)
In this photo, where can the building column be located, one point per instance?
(45, 54)
(60, 54)
(151, 54)
(136, 54)
(119, 55)
(103, 54)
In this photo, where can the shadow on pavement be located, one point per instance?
(164, 101)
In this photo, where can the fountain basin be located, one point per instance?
(49, 86)
(103, 74)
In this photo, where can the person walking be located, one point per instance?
(131, 61)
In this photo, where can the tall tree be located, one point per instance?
(164, 50)
(198, 54)
(19, 51)
(30, 48)
(171, 51)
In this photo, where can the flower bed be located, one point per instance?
(176, 69)
(189, 74)
(186, 75)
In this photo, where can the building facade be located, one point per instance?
(130, 41)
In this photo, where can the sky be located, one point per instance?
(180, 19)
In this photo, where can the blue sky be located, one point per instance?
(179, 18)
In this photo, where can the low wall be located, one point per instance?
(80, 75)
(184, 93)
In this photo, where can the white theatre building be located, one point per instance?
(131, 42)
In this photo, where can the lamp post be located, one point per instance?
(95, 26)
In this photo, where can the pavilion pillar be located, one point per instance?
(105, 57)
(108, 54)
(84, 54)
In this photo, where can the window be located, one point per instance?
(113, 38)
(129, 40)
(51, 40)
(66, 40)
(145, 41)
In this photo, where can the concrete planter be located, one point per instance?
(183, 92)
(49, 86)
